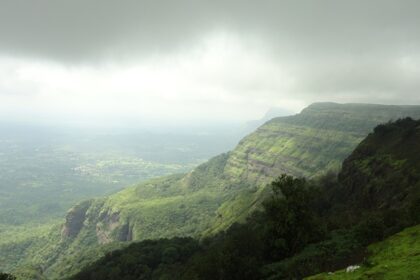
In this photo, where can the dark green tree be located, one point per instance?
(290, 222)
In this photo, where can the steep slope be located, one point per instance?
(384, 171)
(315, 140)
(297, 233)
(377, 194)
(397, 257)
(307, 144)
(226, 188)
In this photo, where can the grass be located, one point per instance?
(396, 258)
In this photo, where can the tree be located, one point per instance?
(290, 220)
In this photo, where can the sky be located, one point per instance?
(136, 61)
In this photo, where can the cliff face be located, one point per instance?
(75, 219)
(307, 144)
(228, 187)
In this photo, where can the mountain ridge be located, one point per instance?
(227, 188)
(306, 226)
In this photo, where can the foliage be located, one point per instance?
(301, 230)
(397, 257)
(20, 243)
(290, 223)
(150, 259)
(5, 276)
(230, 187)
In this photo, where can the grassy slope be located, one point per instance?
(308, 144)
(383, 171)
(16, 240)
(398, 257)
(228, 187)
(318, 138)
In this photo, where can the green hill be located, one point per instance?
(305, 226)
(216, 194)
(377, 194)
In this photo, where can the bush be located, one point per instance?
(5, 276)
(370, 229)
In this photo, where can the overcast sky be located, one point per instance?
(138, 61)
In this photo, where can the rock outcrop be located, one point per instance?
(75, 219)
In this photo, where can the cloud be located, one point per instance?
(197, 59)
(79, 29)
(218, 79)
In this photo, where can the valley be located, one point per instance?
(209, 140)
(209, 199)
(365, 221)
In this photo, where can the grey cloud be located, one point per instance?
(82, 29)
(74, 30)
(334, 49)
(362, 77)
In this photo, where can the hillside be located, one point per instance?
(315, 140)
(214, 195)
(306, 226)
(383, 172)
(377, 194)
(397, 257)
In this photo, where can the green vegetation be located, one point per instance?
(43, 175)
(27, 242)
(42, 178)
(157, 259)
(310, 143)
(4, 276)
(305, 227)
(397, 257)
(218, 193)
